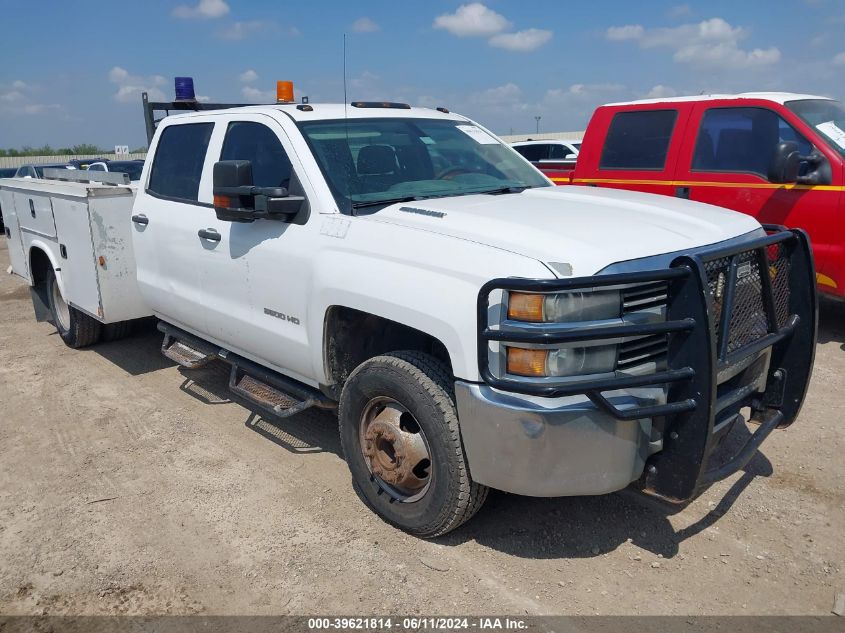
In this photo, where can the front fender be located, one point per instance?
(426, 281)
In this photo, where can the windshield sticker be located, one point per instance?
(833, 131)
(477, 134)
(427, 140)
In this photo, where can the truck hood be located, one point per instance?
(583, 228)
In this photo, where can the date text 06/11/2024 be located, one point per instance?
(416, 623)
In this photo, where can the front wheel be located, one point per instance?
(399, 432)
(76, 328)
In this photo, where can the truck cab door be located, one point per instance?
(725, 162)
(166, 217)
(639, 151)
(256, 277)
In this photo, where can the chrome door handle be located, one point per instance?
(209, 234)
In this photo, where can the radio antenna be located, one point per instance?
(345, 100)
(346, 119)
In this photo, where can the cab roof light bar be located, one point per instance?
(380, 104)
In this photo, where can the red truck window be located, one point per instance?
(638, 140)
(742, 140)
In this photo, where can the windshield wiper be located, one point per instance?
(446, 194)
(375, 203)
(508, 189)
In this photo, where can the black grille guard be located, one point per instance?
(701, 346)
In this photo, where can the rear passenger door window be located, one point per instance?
(179, 158)
(559, 152)
(638, 140)
(534, 153)
(257, 143)
(742, 140)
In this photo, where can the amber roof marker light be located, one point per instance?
(284, 92)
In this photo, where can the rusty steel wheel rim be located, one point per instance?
(395, 449)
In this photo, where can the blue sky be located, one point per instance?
(74, 71)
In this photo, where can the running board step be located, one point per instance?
(267, 389)
(189, 351)
(267, 396)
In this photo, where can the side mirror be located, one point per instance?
(236, 199)
(232, 188)
(785, 164)
(570, 157)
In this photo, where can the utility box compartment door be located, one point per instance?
(78, 269)
(110, 221)
(10, 219)
(35, 213)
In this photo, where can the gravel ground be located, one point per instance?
(131, 486)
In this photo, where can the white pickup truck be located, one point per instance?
(475, 325)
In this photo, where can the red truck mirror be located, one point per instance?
(785, 164)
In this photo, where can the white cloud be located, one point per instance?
(11, 96)
(118, 74)
(711, 43)
(505, 101)
(242, 30)
(205, 9)
(680, 11)
(366, 82)
(660, 92)
(250, 93)
(839, 59)
(130, 87)
(248, 76)
(18, 98)
(41, 108)
(472, 20)
(582, 92)
(522, 41)
(364, 25)
(627, 32)
(506, 94)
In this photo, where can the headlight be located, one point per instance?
(568, 361)
(563, 307)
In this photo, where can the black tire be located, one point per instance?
(116, 331)
(76, 328)
(423, 386)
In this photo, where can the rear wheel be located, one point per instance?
(76, 328)
(400, 435)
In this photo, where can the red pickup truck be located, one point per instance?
(779, 157)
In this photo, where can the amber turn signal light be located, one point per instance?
(527, 362)
(526, 307)
(223, 202)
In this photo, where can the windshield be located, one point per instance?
(368, 162)
(826, 116)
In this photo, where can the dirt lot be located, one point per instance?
(128, 485)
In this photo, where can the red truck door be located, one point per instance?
(725, 159)
(635, 148)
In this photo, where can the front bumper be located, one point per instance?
(516, 444)
(740, 328)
